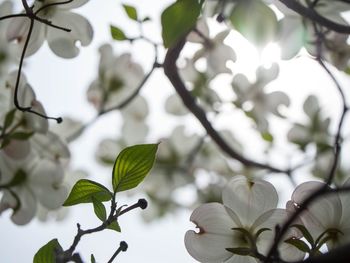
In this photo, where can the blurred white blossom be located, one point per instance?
(63, 44)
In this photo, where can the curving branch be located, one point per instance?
(311, 14)
(171, 71)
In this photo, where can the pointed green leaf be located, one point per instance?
(114, 226)
(132, 165)
(300, 244)
(242, 251)
(305, 233)
(21, 136)
(178, 19)
(99, 209)
(267, 136)
(117, 33)
(255, 21)
(85, 190)
(46, 254)
(131, 12)
(92, 258)
(10, 116)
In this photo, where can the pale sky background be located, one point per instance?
(61, 86)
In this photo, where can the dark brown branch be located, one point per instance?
(337, 143)
(316, 17)
(114, 214)
(171, 71)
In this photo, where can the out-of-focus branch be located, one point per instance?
(171, 71)
(311, 14)
(137, 90)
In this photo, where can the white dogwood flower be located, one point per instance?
(33, 180)
(7, 52)
(134, 128)
(248, 205)
(255, 101)
(330, 213)
(315, 130)
(296, 32)
(118, 78)
(63, 44)
(216, 53)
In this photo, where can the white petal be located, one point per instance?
(63, 43)
(46, 181)
(241, 259)
(134, 132)
(249, 199)
(300, 134)
(183, 143)
(217, 59)
(213, 218)
(137, 109)
(69, 129)
(71, 5)
(108, 150)
(322, 214)
(276, 99)
(174, 105)
(311, 106)
(27, 208)
(18, 30)
(208, 248)
(50, 146)
(17, 149)
(95, 94)
(34, 122)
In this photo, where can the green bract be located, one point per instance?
(178, 19)
(132, 165)
(85, 191)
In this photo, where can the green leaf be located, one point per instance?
(92, 258)
(21, 136)
(178, 19)
(46, 254)
(114, 226)
(267, 136)
(131, 12)
(84, 191)
(255, 21)
(10, 116)
(117, 33)
(299, 244)
(305, 232)
(99, 209)
(132, 165)
(242, 251)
